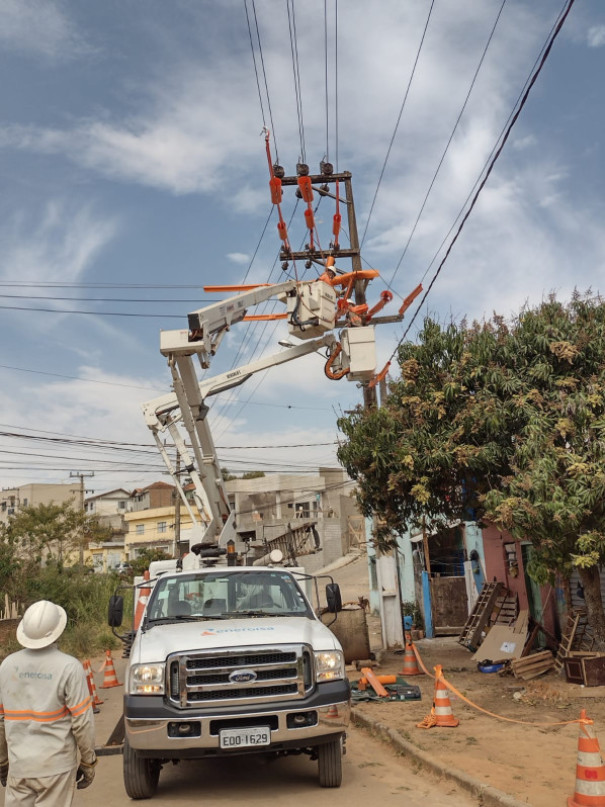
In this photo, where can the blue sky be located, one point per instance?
(133, 169)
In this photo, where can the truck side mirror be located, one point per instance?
(115, 612)
(333, 597)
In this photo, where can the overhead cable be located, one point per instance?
(403, 103)
(447, 145)
(546, 51)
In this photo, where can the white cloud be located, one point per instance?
(60, 245)
(596, 36)
(39, 27)
(240, 258)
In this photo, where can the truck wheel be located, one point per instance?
(141, 775)
(329, 756)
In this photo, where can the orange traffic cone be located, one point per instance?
(96, 701)
(141, 602)
(95, 707)
(590, 770)
(410, 662)
(332, 712)
(110, 679)
(442, 706)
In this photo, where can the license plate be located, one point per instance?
(245, 738)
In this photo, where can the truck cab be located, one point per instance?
(228, 661)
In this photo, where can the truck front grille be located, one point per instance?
(252, 675)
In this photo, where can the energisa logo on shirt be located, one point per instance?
(47, 676)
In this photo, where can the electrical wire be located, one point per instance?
(260, 96)
(75, 378)
(498, 151)
(61, 285)
(296, 72)
(336, 81)
(89, 313)
(327, 104)
(405, 98)
(106, 299)
(447, 145)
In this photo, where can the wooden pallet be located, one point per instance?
(480, 615)
(532, 666)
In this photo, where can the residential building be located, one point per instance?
(158, 494)
(12, 500)
(110, 508)
(310, 516)
(155, 528)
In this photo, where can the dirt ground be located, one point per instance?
(532, 755)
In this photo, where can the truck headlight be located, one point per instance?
(329, 665)
(146, 679)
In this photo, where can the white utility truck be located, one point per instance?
(232, 660)
(229, 658)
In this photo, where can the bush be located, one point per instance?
(85, 597)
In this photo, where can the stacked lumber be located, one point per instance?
(532, 666)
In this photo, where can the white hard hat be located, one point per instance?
(42, 624)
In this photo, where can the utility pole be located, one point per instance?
(309, 255)
(177, 513)
(81, 476)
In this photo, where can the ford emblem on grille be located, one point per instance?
(242, 676)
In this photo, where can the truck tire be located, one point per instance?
(141, 775)
(329, 757)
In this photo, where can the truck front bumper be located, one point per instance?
(155, 729)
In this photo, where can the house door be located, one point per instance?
(450, 608)
(448, 584)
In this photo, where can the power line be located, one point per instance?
(451, 137)
(75, 378)
(61, 285)
(188, 300)
(89, 313)
(296, 72)
(405, 98)
(550, 42)
(493, 151)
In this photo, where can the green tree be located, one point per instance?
(145, 557)
(500, 422)
(51, 532)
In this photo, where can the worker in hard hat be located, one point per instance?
(47, 740)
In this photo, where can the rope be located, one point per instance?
(458, 694)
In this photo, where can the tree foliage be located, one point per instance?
(499, 421)
(43, 535)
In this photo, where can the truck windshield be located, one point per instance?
(227, 595)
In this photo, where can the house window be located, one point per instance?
(24, 502)
(122, 505)
(140, 529)
(162, 526)
(303, 510)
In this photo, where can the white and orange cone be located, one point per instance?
(85, 665)
(441, 705)
(110, 679)
(590, 770)
(410, 662)
(96, 701)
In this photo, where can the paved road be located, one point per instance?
(373, 775)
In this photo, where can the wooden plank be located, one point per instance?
(531, 666)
